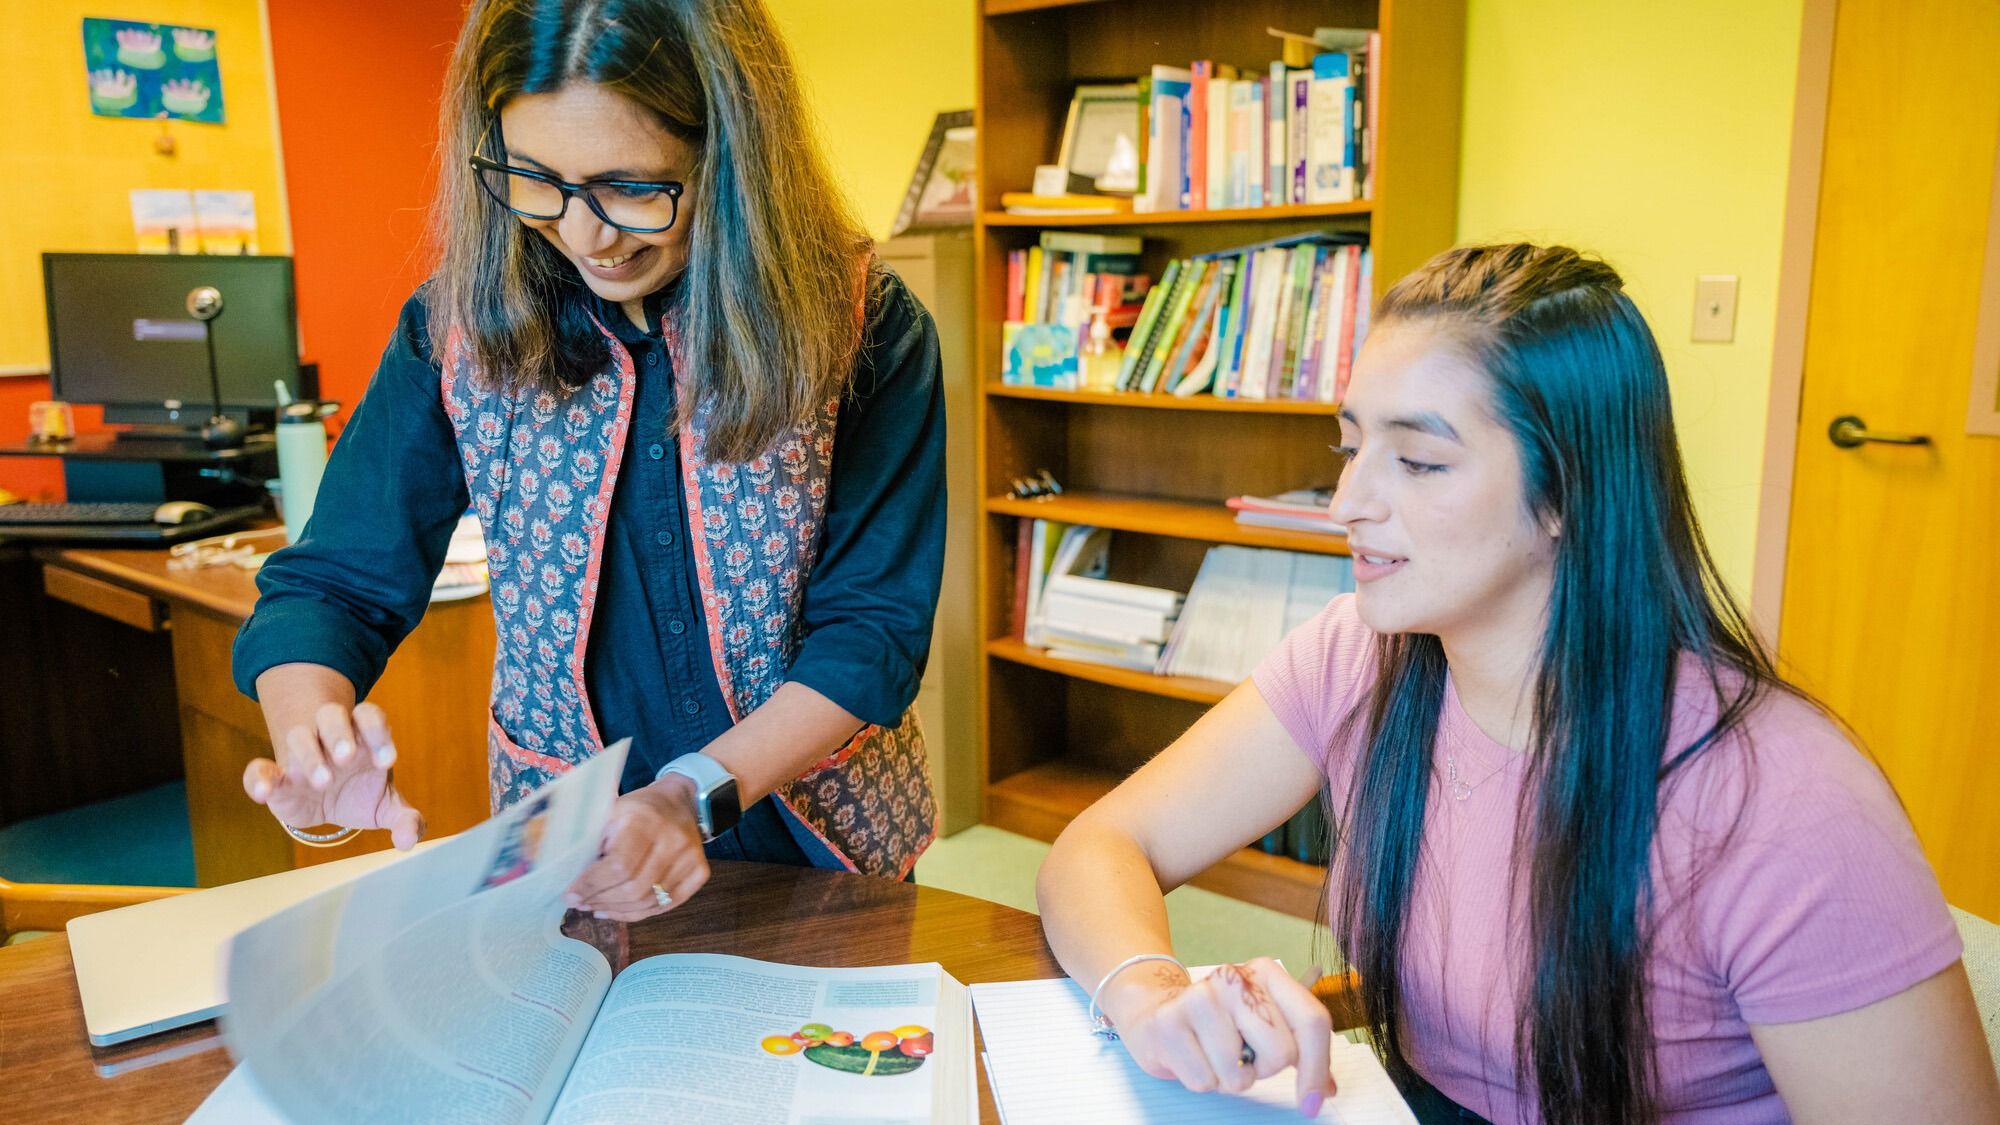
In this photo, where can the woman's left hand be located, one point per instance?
(652, 839)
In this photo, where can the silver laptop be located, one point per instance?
(158, 965)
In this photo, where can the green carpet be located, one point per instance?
(141, 839)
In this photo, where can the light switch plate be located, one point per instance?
(1715, 308)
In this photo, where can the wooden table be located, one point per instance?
(49, 1071)
(434, 689)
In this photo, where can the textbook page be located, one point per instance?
(1048, 1068)
(731, 1041)
(439, 988)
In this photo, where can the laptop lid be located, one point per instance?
(158, 965)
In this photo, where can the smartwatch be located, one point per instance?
(716, 806)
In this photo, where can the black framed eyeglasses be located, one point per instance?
(633, 206)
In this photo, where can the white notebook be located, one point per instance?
(1048, 1069)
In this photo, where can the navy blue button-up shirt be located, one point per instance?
(359, 579)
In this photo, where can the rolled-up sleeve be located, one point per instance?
(359, 578)
(873, 593)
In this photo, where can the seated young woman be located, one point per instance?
(1593, 859)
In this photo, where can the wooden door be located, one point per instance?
(1892, 578)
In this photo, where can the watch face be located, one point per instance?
(724, 808)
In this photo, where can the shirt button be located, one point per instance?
(656, 451)
(664, 538)
(677, 626)
(652, 359)
(691, 707)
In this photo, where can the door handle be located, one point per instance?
(1848, 432)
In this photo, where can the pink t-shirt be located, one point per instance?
(1821, 902)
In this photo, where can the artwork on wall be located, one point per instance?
(941, 193)
(152, 70)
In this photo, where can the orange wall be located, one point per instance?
(357, 114)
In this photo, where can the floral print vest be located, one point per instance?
(540, 467)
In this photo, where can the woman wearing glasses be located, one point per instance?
(703, 434)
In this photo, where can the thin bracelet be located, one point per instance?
(320, 839)
(1100, 1024)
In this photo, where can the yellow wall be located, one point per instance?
(68, 172)
(878, 72)
(1659, 140)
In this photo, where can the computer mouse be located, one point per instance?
(181, 511)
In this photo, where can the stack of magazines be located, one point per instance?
(1302, 509)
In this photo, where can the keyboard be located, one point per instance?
(128, 523)
(98, 513)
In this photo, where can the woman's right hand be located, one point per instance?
(1195, 1032)
(332, 767)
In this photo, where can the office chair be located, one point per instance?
(33, 907)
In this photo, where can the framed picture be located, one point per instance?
(1101, 141)
(1983, 414)
(943, 191)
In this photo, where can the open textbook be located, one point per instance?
(440, 989)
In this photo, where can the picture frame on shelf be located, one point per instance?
(943, 190)
(1100, 140)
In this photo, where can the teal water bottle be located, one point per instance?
(301, 462)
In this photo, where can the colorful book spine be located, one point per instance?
(1217, 152)
(1175, 328)
(1348, 340)
(1257, 164)
(1017, 280)
(1277, 177)
(1194, 196)
(1328, 134)
(1298, 105)
(1152, 319)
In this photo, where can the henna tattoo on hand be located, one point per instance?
(1237, 979)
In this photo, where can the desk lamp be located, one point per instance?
(204, 303)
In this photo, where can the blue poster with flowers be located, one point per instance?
(152, 70)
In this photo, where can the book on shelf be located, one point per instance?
(1071, 298)
(1064, 603)
(1213, 137)
(1068, 203)
(1243, 602)
(465, 1001)
(1302, 509)
(1278, 320)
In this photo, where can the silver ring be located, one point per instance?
(661, 896)
(331, 839)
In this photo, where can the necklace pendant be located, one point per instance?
(1460, 790)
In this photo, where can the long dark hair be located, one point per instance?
(767, 308)
(1577, 377)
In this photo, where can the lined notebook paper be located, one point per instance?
(1048, 1069)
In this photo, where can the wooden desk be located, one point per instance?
(49, 1070)
(435, 691)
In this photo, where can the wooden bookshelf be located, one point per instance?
(1041, 800)
(1151, 515)
(1169, 218)
(1189, 688)
(1165, 402)
(1057, 734)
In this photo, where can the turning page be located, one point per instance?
(439, 988)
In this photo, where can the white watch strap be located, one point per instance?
(706, 773)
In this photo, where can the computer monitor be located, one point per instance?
(120, 335)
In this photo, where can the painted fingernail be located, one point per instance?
(572, 901)
(321, 775)
(344, 750)
(599, 914)
(385, 756)
(1310, 1106)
